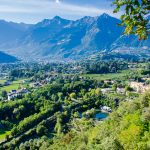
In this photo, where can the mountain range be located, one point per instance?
(59, 39)
(5, 58)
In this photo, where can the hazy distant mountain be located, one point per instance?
(59, 38)
(10, 32)
(5, 58)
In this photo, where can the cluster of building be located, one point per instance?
(105, 109)
(140, 87)
(15, 93)
(119, 90)
(50, 78)
(35, 84)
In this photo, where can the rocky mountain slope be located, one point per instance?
(58, 38)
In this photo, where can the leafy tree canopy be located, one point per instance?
(136, 16)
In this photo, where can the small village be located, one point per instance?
(109, 86)
(116, 87)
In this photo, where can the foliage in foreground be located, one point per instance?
(128, 128)
(135, 17)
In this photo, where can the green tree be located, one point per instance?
(58, 126)
(98, 92)
(135, 17)
(4, 94)
(114, 87)
(41, 130)
(128, 88)
(130, 137)
(73, 95)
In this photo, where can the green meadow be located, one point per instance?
(13, 85)
(108, 76)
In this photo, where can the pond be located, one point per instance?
(101, 115)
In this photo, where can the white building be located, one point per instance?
(106, 109)
(15, 93)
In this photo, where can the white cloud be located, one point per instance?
(57, 1)
(35, 10)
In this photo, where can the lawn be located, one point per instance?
(13, 86)
(108, 76)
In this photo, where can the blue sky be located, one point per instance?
(32, 11)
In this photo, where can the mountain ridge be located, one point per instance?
(60, 38)
(5, 58)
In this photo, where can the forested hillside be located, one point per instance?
(64, 111)
(128, 128)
